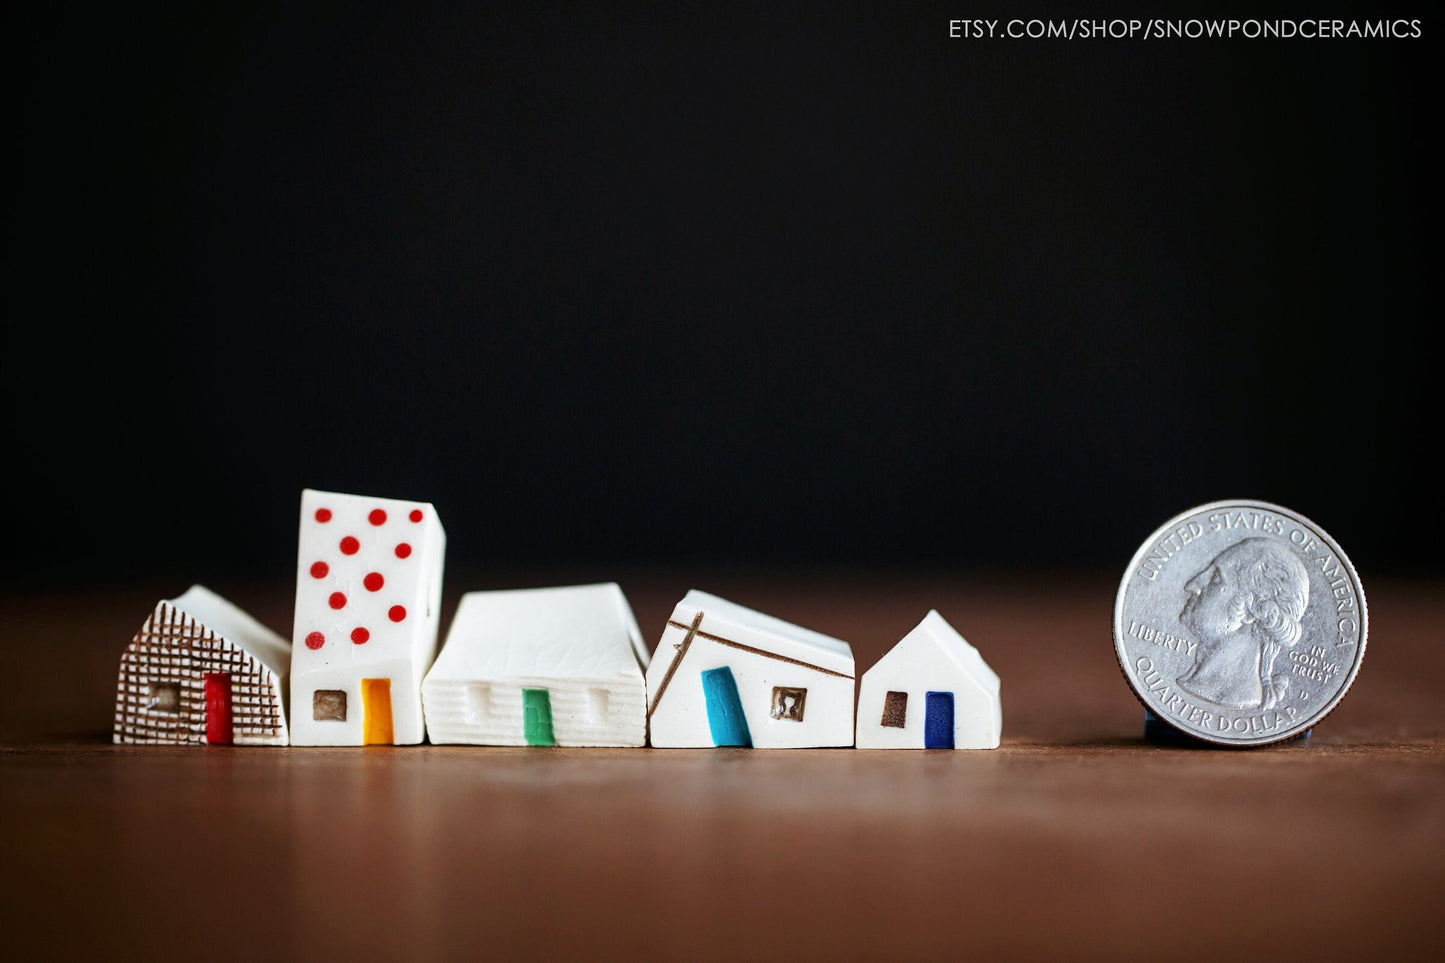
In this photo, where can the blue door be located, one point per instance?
(938, 723)
(725, 710)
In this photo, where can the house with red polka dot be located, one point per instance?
(368, 601)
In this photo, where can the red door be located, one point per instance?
(218, 708)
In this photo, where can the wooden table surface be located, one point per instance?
(1074, 840)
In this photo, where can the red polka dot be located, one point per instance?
(319, 569)
(349, 546)
(403, 550)
(396, 613)
(359, 635)
(315, 640)
(337, 600)
(377, 517)
(373, 581)
(323, 515)
(415, 515)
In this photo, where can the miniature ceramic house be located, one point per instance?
(368, 597)
(725, 675)
(540, 667)
(931, 691)
(202, 671)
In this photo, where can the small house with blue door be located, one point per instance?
(725, 675)
(931, 691)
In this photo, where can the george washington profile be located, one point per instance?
(1243, 608)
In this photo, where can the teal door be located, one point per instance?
(724, 709)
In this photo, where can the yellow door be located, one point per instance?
(376, 712)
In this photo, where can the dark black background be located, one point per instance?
(752, 284)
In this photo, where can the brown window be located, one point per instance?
(895, 709)
(328, 705)
(163, 697)
(788, 703)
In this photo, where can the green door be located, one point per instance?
(537, 717)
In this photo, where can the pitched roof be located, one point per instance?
(935, 629)
(729, 622)
(234, 625)
(576, 631)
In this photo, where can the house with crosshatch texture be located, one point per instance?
(201, 671)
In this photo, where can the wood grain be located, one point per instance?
(1074, 840)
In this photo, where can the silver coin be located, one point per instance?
(1240, 623)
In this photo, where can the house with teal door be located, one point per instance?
(726, 675)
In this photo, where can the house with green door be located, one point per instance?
(540, 667)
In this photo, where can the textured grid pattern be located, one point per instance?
(174, 648)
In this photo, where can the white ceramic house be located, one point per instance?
(930, 691)
(540, 667)
(200, 670)
(725, 675)
(368, 599)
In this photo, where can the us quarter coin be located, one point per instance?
(1240, 622)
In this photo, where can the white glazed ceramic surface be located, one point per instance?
(182, 641)
(368, 600)
(580, 643)
(763, 653)
(931, 658)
